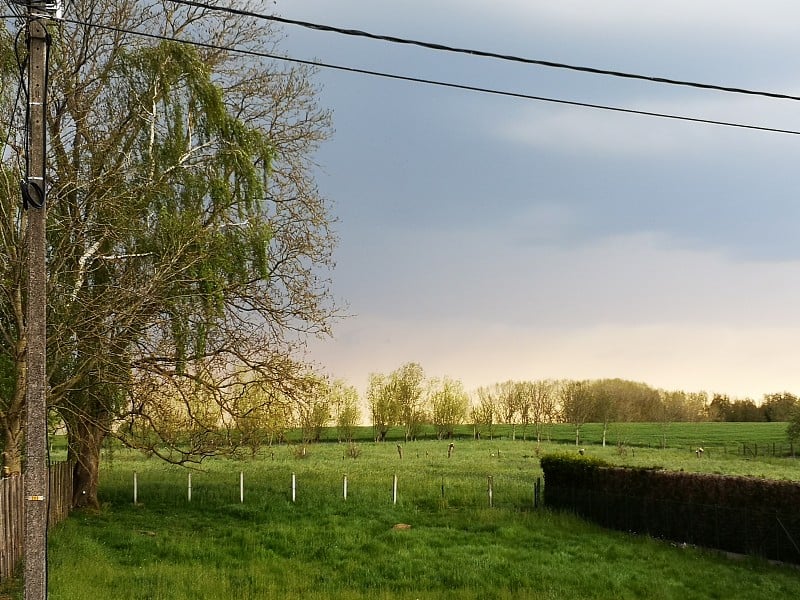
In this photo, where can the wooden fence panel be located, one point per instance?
(12, 525)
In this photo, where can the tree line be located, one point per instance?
(406, 398)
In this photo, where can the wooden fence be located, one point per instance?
(12, 529)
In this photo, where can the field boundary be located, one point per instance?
(12, 526)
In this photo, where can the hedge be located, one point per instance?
(736, 514)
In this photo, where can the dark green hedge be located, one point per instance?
(736, 514)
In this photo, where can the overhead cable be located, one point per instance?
(484, 53)
(437, 83)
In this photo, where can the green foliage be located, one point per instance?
(449, 405)
(779, 407)
(187, 242)
(384, 412)
(406, 388)
(343, 400)
(793, 430)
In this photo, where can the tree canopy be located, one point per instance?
(187, 242)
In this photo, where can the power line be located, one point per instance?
(486, 54)
(437, 83)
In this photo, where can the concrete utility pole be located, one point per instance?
(34, 195)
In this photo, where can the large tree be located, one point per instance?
(187, 243)
(13, 223)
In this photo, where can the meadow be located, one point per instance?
(456, 545)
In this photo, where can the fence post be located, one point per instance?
(394, 490)
(241, 487)
(294, 487)
(344, 486)
(135, 488)
(189, 491)
(491, 491)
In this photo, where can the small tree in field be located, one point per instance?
(382, 407)
(449, 405)
(407, 386)
(576, 405)
(484, 412)
(314, 410)
(343, 400)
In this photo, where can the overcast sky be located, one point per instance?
(491, 238)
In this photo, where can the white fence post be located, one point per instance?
(135, 488)
(241, 487)
(345, 487)
(294, 487)
(394, 490)
(190, 487)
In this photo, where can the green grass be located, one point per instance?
(322, 546)
(681, 435)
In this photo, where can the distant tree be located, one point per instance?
(696, 404)
(545, 405)
(407, 389)
(508, 401)
(343, 400)
(314, 410)
(605, 408)
(576, 404)
(263, 415)
(632, 401)
(745, 411)
(793, 430)
(382, 406)
(526, 409)
(779, 407)
(720, 408)
(484, 412)
(449, 406)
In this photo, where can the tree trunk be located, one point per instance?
(86, 440)
(12, 420)
(12, 442)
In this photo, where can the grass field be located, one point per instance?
(724, 437)
(323, 546)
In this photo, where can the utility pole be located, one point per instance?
(34, 196)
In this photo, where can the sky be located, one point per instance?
(491, 238)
